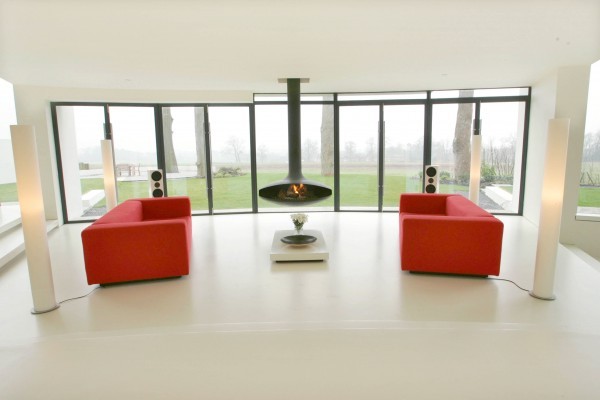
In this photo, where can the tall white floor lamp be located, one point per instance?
(475, 174)
(108, 168)
(551, 210)
(33, 218)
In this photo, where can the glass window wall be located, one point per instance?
(184, 138)
(451, 145)
(404, 130)
(230, 157)
(271, 148)
(502, 128)
(81, 130)
(208, 151)
(8, 117)
(134, 142)
(589, 187)
(359, 144)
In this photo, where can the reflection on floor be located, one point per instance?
(353, 327)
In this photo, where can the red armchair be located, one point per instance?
(139, 239)
(442, 233)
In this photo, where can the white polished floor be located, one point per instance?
(353, 327)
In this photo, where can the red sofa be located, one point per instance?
(447, 233)
(139, 239)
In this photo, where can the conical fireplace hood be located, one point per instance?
(294, 189)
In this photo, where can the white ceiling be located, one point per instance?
(341, 45)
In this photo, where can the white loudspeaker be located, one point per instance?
(431, 179)
(156, 183)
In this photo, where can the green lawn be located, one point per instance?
(589, 197)
(8, 192)
(357, 190)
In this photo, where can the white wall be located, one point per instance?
(68, 151)
(33, 108)
(561, 95)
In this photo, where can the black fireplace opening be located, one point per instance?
(300, 192)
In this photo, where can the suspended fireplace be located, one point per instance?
(294, 189)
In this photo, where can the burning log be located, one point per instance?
(295, 193)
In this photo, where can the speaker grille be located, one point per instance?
(156, 175)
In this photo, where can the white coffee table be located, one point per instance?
(316, 251)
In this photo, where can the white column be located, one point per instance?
(553, 188)
(33, 218)
(68, 150)
(108, 167)
(475, 175)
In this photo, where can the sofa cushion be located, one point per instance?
(129, 211)
(460, 206)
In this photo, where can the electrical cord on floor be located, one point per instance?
(98, 287)
(80, 297)
(508, 280)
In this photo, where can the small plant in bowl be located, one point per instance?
(299, 220)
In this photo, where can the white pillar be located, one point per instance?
(551, 210)
(33, 218)
(475, 175)
(68, 151)
(108, 167)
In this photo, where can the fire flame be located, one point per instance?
(298, 189)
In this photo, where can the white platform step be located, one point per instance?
(91, 198)
(7, 226)
(12, 244)
(10, 216)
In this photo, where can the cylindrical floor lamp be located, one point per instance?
(108, 168)
(475, 174)
(33, 218)
(551, 211)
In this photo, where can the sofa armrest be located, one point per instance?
(166, 207)
(421, 203)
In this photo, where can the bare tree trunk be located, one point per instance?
(236, 148)
(200, 142)
(461, 146)
(327, 140)
(170, 157)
